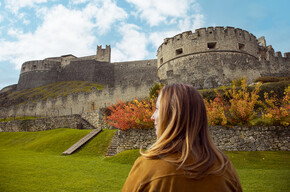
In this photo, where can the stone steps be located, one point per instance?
(112, 150)
(82, 141)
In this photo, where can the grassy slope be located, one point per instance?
(53, 90)
(33, 162)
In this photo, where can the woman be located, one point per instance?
(184, 157)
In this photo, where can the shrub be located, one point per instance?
(216, 110)
(242, 103)
(155, 89)
(278, 111)
(237, 82)
(136, 114)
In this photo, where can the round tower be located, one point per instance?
(209, 57)
(38, 73)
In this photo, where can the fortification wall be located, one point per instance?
(79, 103)
(43, 124)
(213, 57)
(274, 62)
(205, 40)
(38, 73)
(88, 70)
(135, 72)
(237, 138)
(209, 70)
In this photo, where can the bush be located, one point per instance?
(136, 114)
(278, 111)
(155, 89)
(237, 82)
(216, 110)
(242, 103)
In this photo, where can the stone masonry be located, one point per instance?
(43, 124)
(236, 138)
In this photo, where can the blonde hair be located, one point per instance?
(183, 129)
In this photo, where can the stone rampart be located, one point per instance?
(206, 39)
(135, 72)
(43, 124)
(237, 138)
(79, 103)
(212, 57)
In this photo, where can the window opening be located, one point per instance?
(161, 60)
(241, 46)
(179, 51)
(211, 45)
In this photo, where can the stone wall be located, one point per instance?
(215, 56)
(237, 138)
(78, 103)
(43, 124)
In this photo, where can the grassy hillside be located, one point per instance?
(41, 93)
(32, 161)
(56, 141)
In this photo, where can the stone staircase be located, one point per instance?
(82, 141)
(112, 150)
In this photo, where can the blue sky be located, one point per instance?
(37, 29)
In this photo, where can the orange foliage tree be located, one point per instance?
(278, 111)
(216, 110)
(242, 103)
(135, 114)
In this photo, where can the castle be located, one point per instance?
(208, 58)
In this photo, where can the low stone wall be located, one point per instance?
(237, 138)
(95, 118)
(71, 121)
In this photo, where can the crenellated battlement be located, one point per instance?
(207, 40)
(39, 65)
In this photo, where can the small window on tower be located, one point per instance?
(161, 60)
(179, 51)
(241, 46)
(23, 68)
(211, 45)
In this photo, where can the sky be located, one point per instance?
(37, 29)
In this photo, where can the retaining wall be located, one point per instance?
(43, 124)
(237, 138)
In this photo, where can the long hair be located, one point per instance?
(183, 130)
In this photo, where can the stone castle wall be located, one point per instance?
(203, 40)
(135, 72)
(213, 57)
(228, 139)
(79, 103)
(43, 124)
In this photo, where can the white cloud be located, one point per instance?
(1, 18)
(15, 5)
(105, 14)
(132, 46)
(155, 12)
(63, 31)
(78, 1)
(198, 21)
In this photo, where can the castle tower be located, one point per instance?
(104, 54)
(214, 56)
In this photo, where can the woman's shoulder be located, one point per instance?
(156, 167)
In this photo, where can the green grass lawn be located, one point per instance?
(32, 161)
